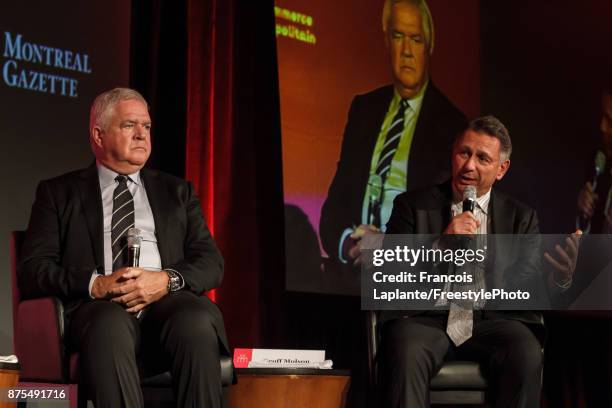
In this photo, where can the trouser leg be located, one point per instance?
(183, 326)
(412, 352)
(511, 357)
(107, 339)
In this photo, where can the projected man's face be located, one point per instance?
(124, 145)
(408, 49)
(477, 162)
(606, 123)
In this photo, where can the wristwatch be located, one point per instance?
(174, 281)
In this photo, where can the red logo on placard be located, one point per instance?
(242, 357)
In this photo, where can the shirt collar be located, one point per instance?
(482, 202)
(107, 176)
(415, 102)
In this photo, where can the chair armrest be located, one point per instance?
(228, 374)
(39, 339)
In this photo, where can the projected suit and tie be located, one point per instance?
(397, 137)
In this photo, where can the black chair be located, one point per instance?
(457, 382)
(38, 339)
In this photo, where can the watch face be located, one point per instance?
(174, 282)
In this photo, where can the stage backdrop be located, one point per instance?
(328, 52)
(55, 57)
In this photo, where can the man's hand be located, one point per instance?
(463, 224)
(103, 283)
(138, 288)
(565, 265)
(358, 236)
(587, 199)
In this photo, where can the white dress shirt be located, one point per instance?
(149, 252)
(481, 210)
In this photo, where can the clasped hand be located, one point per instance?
(464, 224)
(357, 238)
(133, 288)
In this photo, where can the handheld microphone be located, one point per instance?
(374, 200)
(600, 165)
(469, 199)
(134, 239)
(583, 221)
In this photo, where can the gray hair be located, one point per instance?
(106, 101)
(491, 126)
(428, 26)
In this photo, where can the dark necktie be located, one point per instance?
(391, 142)
(383, 168)
(122, 221)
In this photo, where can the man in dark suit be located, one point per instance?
(585, 335)
(594, 202)
(397, 137)
(76, 249)
(506, 343)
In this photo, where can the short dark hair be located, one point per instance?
(491, 126)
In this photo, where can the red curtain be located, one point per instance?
(212, 165)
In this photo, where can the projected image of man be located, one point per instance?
(397, 137)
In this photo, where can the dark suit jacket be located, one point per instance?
(511, 265)
(429, 162)
(64, 241)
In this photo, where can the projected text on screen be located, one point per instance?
(18, 51)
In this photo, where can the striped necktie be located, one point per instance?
(460, 323)
(122, 221)
(385, 160)
(392, 139)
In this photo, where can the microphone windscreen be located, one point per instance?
(469, 193)
(600, 162)
(376, 187)
(134, 237)
(469, 198)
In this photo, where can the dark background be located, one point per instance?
(541, 68)
(44, 135)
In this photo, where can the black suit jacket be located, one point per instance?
(427, 211)
(429, 162)
(64, 241)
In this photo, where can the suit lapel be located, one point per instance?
(439, 218)
(91, 199)
(378, 110)
(498, 242)
(422, 136)
(501, 216)
(423, 119)
(154, 195)
(370, 125)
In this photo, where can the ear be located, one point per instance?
(503, 169)
(95, 134)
